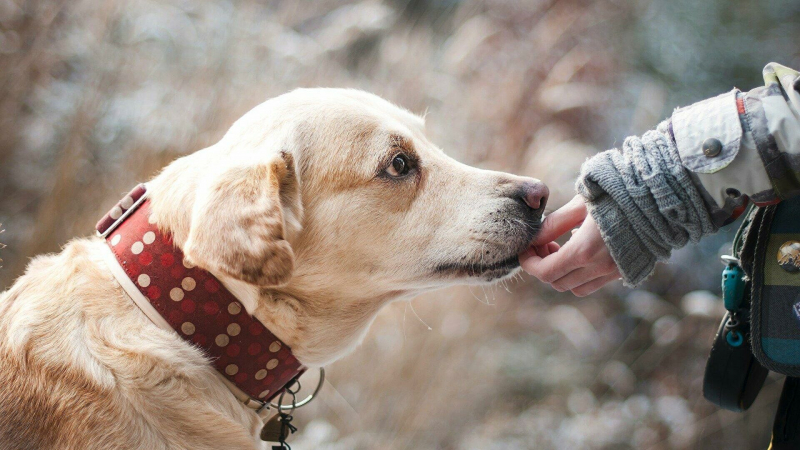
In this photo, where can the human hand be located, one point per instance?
(583, 265)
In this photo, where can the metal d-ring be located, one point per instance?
(306, 400)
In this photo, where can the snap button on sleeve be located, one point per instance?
(712, 147)
(708, 134)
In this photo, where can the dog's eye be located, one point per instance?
(399, 166)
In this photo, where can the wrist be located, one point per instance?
(634, 261)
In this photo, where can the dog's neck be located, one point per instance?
(317, 332)
(324, 329)
(320, 326)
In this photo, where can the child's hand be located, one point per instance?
(583, 265)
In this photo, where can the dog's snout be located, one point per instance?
(534, 194)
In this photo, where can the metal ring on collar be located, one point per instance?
(306, 400)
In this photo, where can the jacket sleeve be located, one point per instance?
(743, 146)
(695, 172)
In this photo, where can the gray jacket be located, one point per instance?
(696, 172)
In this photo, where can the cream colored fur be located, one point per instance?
(294, 211)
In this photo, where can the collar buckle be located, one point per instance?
(121, 211)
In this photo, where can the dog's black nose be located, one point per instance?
(534, 194)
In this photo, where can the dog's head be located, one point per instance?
(336, 200)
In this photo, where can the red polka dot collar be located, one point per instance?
(255, 364)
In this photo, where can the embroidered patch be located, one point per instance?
(796, 309)
(789, 256)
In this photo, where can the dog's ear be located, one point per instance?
(239, 222)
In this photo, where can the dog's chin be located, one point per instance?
(481, 272)
(503, 263)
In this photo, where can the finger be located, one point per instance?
(551, 268)
(582, 276)
(575, 278)
(529, 261)
(539, 250)
(594, 285)
(562, 220)
(527, 254)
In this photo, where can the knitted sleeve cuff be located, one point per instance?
(634, 261)
(644, 202)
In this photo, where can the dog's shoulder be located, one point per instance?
(49, 397)
(82, 367)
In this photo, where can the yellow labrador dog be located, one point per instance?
(315, 210)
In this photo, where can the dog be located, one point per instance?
(316, 209)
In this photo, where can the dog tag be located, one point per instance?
(277, 430)
(273, 430)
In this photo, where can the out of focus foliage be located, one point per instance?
(96, 96)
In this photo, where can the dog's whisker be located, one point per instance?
(405, 308)
(486, 296)
(418, 317)
(505, 286)
(469, 288)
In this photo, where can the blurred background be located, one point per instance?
(97, 96)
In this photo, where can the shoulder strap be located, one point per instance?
(744, 243)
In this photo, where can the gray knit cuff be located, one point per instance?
(634, 262)
(644, 202)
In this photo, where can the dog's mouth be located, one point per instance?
(483, 270)
(512, 234)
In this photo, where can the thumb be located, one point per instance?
(561, 221)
